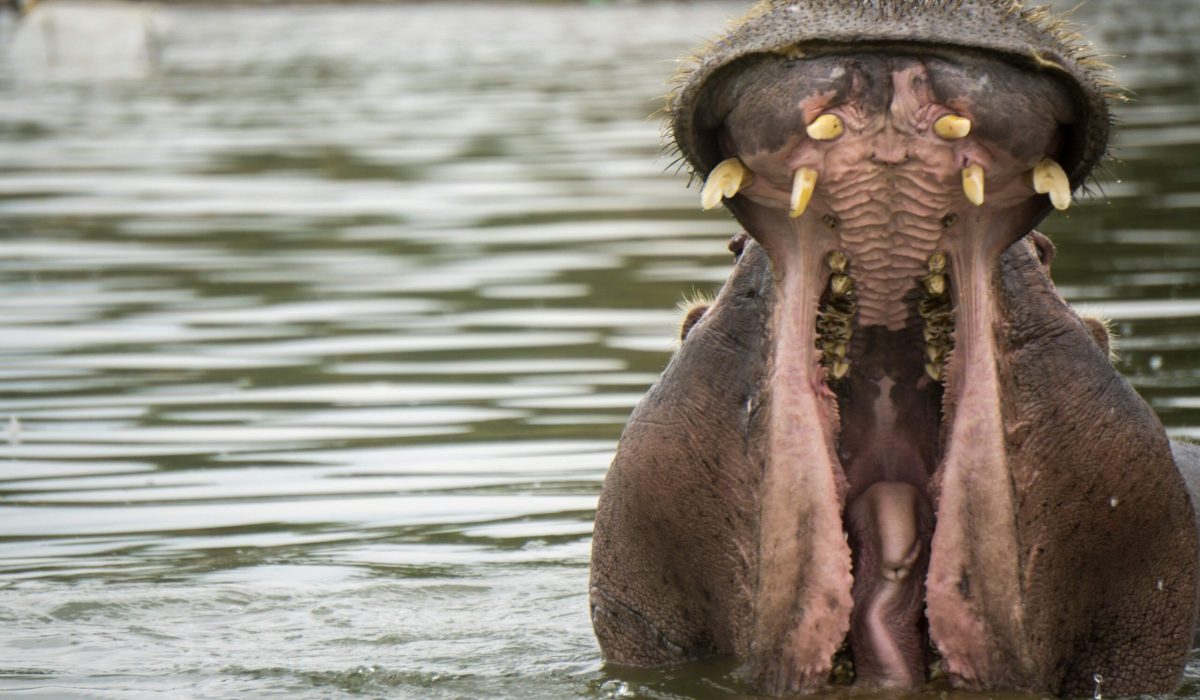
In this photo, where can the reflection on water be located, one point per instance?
(320, 324)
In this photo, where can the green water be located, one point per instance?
(318, 327)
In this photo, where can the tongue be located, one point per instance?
(889, 527)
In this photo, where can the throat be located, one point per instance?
(889, 446)
(889, 410)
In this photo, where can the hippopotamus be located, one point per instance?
(888, 451)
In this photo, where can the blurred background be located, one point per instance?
(319, 323)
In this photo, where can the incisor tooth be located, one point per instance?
(952, 127)
(803, 185)
(725, 180)
(826, 127)
(1050, 178)
(973, 184)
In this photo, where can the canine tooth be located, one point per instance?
(840, 284)
(1050, 178)
(937, 263)
(725, 180)
(839, 369)
(934, 370)
(826, 127)
(952, 127)
(973, 177)
(803, 185)
(837, 261)
(935, 285)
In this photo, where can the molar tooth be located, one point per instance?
(725, 180)
(973, 178)
(935, 285)
(840, 284)
(936, 671)
(803, 184)
(934, 353)
(826, 127)
(934, 370)
(952, 127)
(1050, 178)
(937, 263)
(839, 369)
(837, 261)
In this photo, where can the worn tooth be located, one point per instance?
(803, 185)
(826, 127)
(937, 263)
(952, 127)
(725, 180)
(1050, 178)
(936, 670)
(840, 284)
(934, 353)
(838, 261)
(840, 350)
(935, 285)
(839, 369)
(934, 370)
(973, 184)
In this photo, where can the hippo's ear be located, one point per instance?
(737, 243)
(693, 309)
(1045, 249)
(1097, 324)
(1102, 332)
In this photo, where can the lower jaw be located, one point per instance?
(824, 452)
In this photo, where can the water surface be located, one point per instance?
(319, 326)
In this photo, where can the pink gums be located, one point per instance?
(885, 187)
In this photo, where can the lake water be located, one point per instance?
(318, 326)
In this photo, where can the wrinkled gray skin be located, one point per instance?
(672, 578)
(1015, 519)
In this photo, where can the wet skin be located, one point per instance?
(889, 445)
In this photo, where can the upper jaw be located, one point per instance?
(889, 160)
(888, 143)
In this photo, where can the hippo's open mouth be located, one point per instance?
(889, 445)
(884, 185)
